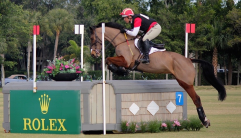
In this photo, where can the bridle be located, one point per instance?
(98, 40)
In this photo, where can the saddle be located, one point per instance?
(152, 44)
(158, 46)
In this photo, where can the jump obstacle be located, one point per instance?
(72, 107)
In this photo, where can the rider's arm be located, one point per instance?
(136, 29)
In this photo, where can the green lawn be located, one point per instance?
(225, 119)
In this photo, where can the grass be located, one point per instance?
(225, 119)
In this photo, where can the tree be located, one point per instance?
(11, 34)
(56, 21)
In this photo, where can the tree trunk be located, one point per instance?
(28, 61)
(215, 60)
(3, 72)
(199, 72)
(196, 68)
(40, 60)
(56, 44)
(230, 70)
(225, 72)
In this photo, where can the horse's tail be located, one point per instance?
(208, 72)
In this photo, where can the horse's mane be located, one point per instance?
(111, 24)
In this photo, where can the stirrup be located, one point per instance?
(145, 60)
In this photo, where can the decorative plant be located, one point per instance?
(133, 127)
(186, 124)
(62, 66)
(143, 126)
(124, 126)
(169, 125)
(163, 127)
(153, 126)
(177, 126)
(195, 124)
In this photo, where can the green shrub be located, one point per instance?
(176, 125)
(143, 126)
(163, 127)
(154, 126)
(186, 124)
(124, 126)
(169, 125)
(133, 127)
(195, 123)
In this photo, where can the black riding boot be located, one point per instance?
(146, 50)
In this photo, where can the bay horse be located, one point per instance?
(165, 62)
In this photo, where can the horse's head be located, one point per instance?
(95, 43)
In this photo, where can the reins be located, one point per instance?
(98, 40)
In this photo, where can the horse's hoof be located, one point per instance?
(207, 123)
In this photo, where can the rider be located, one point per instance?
(142, 23)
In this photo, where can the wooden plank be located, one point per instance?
(81, 108)
(112, 105)
(137, 97)
(126, 111)
(145, 118)
(173, 96)
(125, 97)
(146, 96)
(145, 103)
(99, 104)
(174, 117)
(157, 96)
(93, 97)
(165, 96)
(126, 104)
(90, 105)
(125, 118)
(163, 103)
(143, 111)
(107, 102)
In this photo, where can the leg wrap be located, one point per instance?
(201, 114)
(112, 68)
(122, 71)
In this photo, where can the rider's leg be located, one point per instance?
(151, 34)
(146, 50)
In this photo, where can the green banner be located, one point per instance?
(46, 111)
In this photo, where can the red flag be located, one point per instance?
(190, 28)
(36, 30)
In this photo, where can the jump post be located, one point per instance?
(84, 105)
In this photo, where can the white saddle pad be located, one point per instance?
(153, 50)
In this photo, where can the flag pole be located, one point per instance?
(103, 76)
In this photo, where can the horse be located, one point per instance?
(165, 62)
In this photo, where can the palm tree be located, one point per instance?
(56, 21)
(32, 18)
(218, 40)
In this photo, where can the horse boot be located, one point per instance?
(112, 68)
(146, 50)
(122, 71)
(202, 117)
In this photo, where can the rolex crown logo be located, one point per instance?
(44, 101)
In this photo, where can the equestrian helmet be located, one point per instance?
(127, 12)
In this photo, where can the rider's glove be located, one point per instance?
(122, 30)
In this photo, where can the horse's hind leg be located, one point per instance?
(197, 101)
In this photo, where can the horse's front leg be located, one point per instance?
(117, 65)
(118, 61)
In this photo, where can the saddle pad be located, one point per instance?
(153, 50)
